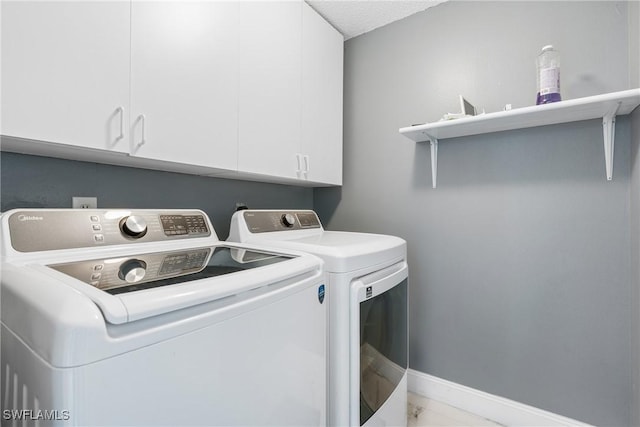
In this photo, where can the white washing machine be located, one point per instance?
(143, 317)
(367, 293)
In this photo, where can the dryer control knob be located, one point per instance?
(288, 220)
(133, 270)
(133, 226)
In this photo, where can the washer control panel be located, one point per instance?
(53, 229)
(268, 221)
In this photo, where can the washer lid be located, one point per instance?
(69, 322)
(347, 251)
(140, 285)
(125, 274)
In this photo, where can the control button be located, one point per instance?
(98, 267)
(133, 270)
(95, 218)
(288, 220)
(133, 226)
(98, 238)
(96, 227)
(96, 276)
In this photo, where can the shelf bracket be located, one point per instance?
(609, 131)
(434, 159)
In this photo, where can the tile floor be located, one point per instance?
(425, 412)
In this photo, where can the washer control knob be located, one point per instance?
(133, 226)
(133, 270)
(288, 220)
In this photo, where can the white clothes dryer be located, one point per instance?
(143, 317)
(367, 295)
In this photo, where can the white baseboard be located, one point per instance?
(489, 406)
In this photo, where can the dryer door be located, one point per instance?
(378, 353)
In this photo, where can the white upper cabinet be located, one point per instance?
(65, 72)
(184, 82)
(270, 87)
(239, 89)
(290, 93)
(322, 65)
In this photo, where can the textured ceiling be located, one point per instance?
(355, 17)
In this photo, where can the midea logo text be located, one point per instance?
(30, 218)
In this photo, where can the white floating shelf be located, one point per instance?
(606, 106)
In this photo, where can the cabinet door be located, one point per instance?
(322, 61)
(270, 87)
(65, 72)
(184, 82)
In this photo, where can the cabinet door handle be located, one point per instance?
(299, 163)
(141, 119)
(306, 164)
(120, 111)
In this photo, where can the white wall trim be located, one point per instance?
(496, 408)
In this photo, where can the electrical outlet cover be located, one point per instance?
(84, 202)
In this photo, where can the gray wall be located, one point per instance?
(520, 266)
(32, 181)
(635, 263)
(634, 55)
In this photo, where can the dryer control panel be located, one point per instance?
(263, 221)
(53, 229)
